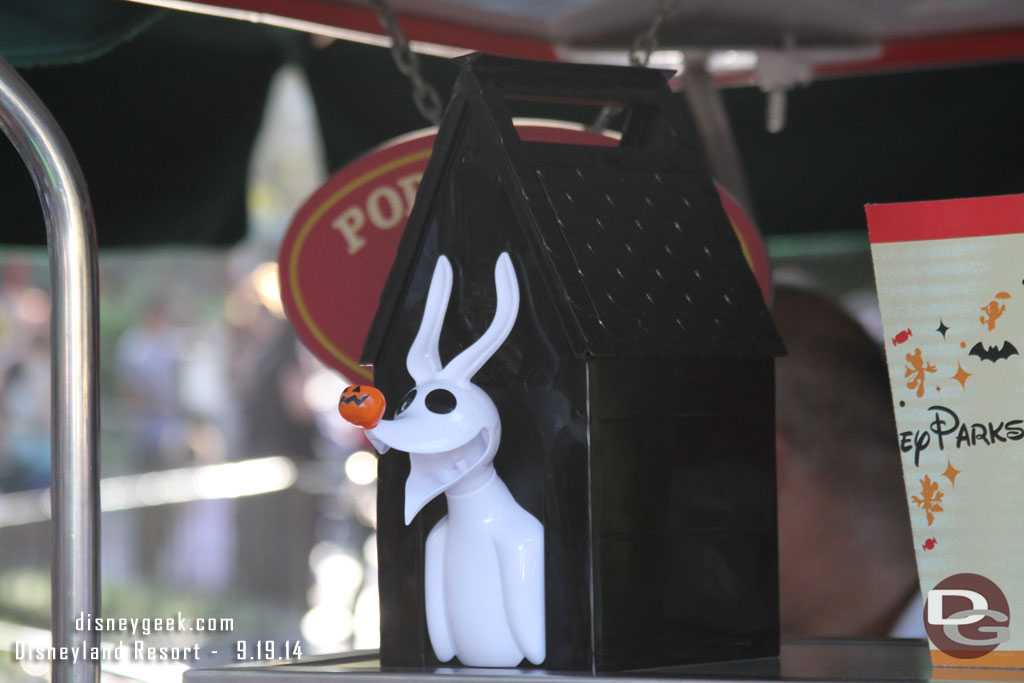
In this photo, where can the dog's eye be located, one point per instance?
(406, 402)
(440, 401)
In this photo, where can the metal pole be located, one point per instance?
(713, 125)
(74, 338)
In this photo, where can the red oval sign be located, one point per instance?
(338, 251)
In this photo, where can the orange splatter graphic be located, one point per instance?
(994, 310)
(915, 369)
(930, 499)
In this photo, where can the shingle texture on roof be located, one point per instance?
(648, 269)
(631, 243)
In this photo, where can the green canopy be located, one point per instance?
(162, 109)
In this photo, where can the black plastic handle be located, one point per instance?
(564, 82)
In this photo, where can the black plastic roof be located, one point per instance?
(638, 251)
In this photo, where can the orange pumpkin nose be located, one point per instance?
(362, 405)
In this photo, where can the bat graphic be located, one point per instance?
(993, 353)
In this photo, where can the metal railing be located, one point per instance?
(74, 337)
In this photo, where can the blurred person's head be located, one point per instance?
(846, 556)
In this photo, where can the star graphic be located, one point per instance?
(941, 329)
(951, 473)
(961, 375)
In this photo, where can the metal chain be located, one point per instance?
(640, 52)
(647, 42)
(424, 95)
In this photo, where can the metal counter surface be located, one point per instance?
(800, 660)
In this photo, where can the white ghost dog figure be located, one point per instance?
(484, 561)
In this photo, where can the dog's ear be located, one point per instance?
(424, 360)
(466, 364)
